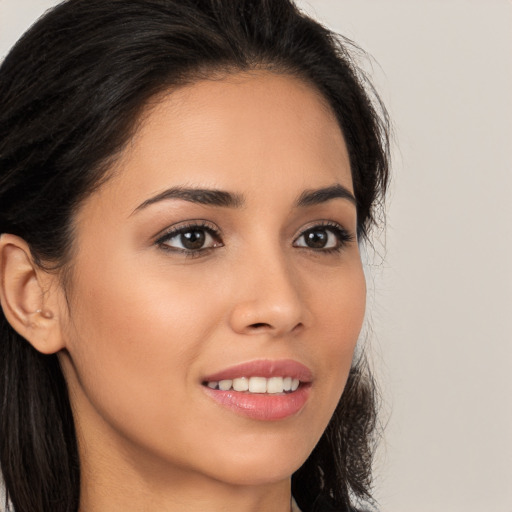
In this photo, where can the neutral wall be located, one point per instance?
(441, 303)
(442, 313)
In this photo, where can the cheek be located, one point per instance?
(340, 303)
(133, 305)
(133, 338)
(339, 316)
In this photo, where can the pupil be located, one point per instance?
(193, 239)
(316, 239)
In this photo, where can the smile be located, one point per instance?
(262, 390)
(273, 385)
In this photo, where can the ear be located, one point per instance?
(29, 296)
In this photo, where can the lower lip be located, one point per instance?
(264, 406)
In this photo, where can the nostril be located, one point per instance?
(259, 325)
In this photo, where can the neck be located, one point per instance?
(186, 493)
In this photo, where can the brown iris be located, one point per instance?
(316, 238)
(193, 239)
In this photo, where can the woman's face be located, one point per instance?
(221, 253)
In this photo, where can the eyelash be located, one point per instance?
(343, 236)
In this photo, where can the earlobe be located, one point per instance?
(25, 296)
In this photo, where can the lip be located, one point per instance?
(264, 407)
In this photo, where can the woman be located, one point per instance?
(184, 187)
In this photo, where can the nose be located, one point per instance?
(269, 298)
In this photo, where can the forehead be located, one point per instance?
(245, 133)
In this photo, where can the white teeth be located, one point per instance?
(241, 384)
(273, 385)
(258, 385)
(225, 385)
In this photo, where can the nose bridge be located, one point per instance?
(270, 297)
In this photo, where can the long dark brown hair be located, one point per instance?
(71, 92)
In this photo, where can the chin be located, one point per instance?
(259, 466)
(256, 475)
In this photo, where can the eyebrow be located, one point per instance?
(221, 198)
(206, 196)
(322, 195)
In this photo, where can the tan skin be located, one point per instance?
(146, 319)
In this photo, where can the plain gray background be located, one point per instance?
(440, 304)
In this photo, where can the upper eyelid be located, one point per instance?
(179, 227)
(323, 224)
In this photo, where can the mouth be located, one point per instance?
(261, 390)
(259, 385)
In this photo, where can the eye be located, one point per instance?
(324, 237)
(190, 239)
